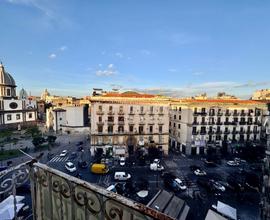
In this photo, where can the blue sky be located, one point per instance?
(177, 48)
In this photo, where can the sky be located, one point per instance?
(170, 47)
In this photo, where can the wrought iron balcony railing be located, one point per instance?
(56, 195)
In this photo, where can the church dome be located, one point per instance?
(23, 94)
(5, 78)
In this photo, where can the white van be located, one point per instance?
(121, 176)
(156, 167)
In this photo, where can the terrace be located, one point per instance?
(56, 195)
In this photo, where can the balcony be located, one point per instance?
(141, 113)
(110, 122)
(100, 123)
(242, 122)
(219, 123)
(236, 114)
(203, 133)
(227, 132)
(121, 113)
(256, 132)
(203, 123)
(199, 113)
(100, 112)
(211, 132)
(121, 122)
(234, 132)
(211, 123)
(110, 113)
(257, 123)
(131, 113)
(242, 132)
(227, 114)
(219, 132)
(151, 113)
(56, 195)
(219, 113)
(195, 123)
(227, 123)
(195, 132)
(243, 114)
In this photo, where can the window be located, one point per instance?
(179, 109)
(8, 92)
(151, 129)
(121, 119)
(151, 109)
(161, 109)
(131, 128)
(30, 115)
(110, 108)
(160, 128)
(110, 129)
(110, 119)
(100, 119)
(120, 129)
(174, 125)
(179, 126)
(174, 117)
(60, 119)
(141, 108)
(203, 110)
(195, 110)
(9, 117)
(131, 109)
(18, 116)
(100, 129)
(121, 108)
(179, 117)
(100, 108)
(140, 129)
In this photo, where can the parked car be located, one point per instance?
(73, 155)
(70, 167)
(156, 161)
(156, 167)
(63, 153)
(122, 161)
(194, 167)
(121, 176)
(82, 164)
(199, 172)
(180, 184)
(232, 163)
(216, 185)
(112, 188)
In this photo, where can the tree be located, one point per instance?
(33, 131)
(51, 139)
(37, 141)
(153, 153)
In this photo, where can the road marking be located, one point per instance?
(59, 159)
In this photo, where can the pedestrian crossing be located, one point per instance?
(59, 159)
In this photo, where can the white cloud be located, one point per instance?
(52, 56)
(63, 48)
(172, 70)
(109, 71)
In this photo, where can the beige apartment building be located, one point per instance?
(129, 120)
(196, 125)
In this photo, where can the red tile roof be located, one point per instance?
(129, 95)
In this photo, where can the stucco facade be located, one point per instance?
(130, 121)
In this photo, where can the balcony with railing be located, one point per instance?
(56, 195)
(100, 112)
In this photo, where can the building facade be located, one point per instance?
(196, 125)
(14, 112)
(130, 120)
(68, 119)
